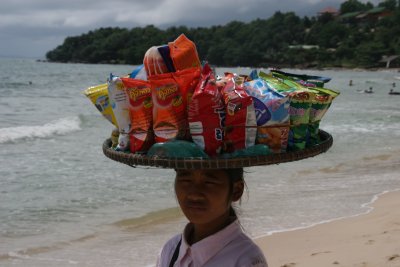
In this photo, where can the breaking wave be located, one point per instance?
(58, 127)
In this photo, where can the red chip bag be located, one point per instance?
(206, 114)
(140, 109)
(169, 112)
(240, 122)
(184, 53)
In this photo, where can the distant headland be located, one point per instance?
(356, 36)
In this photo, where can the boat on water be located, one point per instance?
(392, 92)
(369, 91)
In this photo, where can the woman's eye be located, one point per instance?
(213, 182)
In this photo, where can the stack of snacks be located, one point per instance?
(307, 106)
(172, 107)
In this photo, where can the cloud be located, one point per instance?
(32, 27)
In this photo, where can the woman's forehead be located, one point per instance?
(203, 172)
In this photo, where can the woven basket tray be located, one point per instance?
(217, 163)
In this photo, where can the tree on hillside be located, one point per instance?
(354, 6)
(388, 4)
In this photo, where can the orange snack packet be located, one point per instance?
(187, 80)
(184, 53)
(140, 109)
(169, 111)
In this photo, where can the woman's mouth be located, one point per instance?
(195, 205)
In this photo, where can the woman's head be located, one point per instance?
(205, 196)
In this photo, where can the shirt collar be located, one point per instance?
(208, 247)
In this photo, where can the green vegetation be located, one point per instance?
(359, 36)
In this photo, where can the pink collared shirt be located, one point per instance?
(229, 247)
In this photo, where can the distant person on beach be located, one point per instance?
(213, 237)
(351, 83)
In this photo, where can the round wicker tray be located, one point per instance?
(217, 163)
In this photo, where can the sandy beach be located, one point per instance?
(368, 240)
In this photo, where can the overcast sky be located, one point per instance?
(30, 28)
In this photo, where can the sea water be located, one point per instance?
(63, 203)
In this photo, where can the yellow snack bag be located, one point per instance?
(99, 96)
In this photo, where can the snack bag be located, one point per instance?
(119, 103)
(319, 106)
(123, 142)
(240, 122)
(154, 63)
(114, 138)
(300, 107)
(303, 79)
(139, 73)
(166, 55)
(206, 114)
(99, 96)
(252, 76)
(183, 53)
(141, 113)
(279, 85)
(272, 113)
(187, 81)
(169, 112)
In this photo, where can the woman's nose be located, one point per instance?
(195, 190)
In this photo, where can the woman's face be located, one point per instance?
(204, 195)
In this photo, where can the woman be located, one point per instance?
(213, 236)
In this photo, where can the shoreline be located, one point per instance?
(368, 239)
(395, 69)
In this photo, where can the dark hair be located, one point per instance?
(234, 175)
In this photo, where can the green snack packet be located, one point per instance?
(288, 84)
(277, 84)
(303, 79)
(320, 105)
(299, 111)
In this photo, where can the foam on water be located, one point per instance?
(57, 127)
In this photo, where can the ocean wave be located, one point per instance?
(58, 127)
